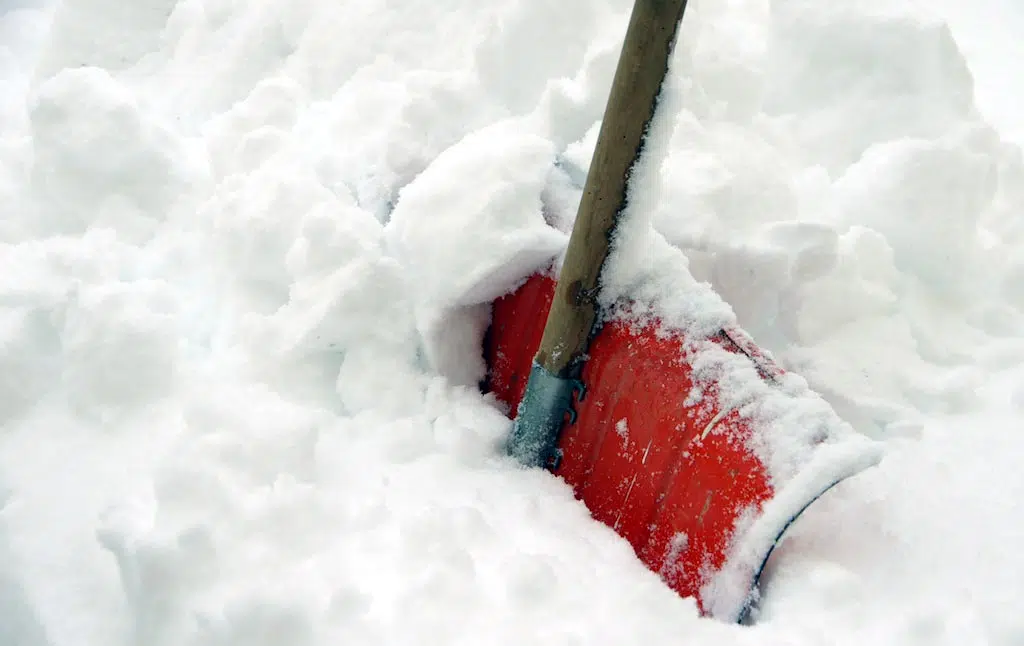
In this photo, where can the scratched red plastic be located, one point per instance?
(640, 456)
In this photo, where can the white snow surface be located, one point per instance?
(246, 251)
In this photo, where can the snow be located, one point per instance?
(499, 231)
(245, 256)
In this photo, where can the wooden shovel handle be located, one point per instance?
(628, 113)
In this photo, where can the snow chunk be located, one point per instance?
(253, 238)
(482, 197)
(103, 33)
(851, 76)
(120, 345)
(468, 229)
(270, 111)
(98, 158)
(391, 124)
(918, 180)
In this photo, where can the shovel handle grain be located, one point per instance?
(628, 113)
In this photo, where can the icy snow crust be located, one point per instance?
(247, 251)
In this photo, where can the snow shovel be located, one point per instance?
(697, 449)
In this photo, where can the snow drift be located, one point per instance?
(247, 250)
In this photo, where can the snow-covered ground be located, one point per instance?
(245, 254)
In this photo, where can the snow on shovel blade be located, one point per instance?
(700, 476)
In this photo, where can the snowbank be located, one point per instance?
(246, 250)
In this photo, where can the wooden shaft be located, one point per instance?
(628, 113)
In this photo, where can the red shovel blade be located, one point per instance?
(675, 474)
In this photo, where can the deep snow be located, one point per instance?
(245, 255)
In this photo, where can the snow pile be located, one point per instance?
(856, 194)
(246, 255)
